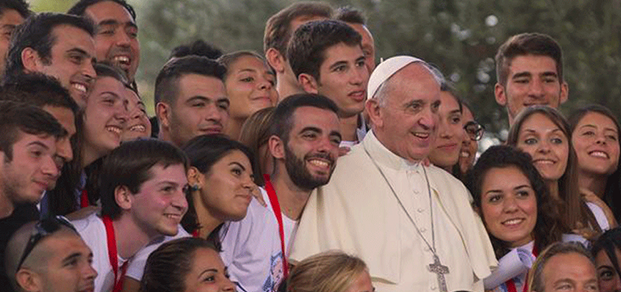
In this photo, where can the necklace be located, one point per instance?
(435, 267)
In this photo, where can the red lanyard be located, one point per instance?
(84, 199)
(511, 284)
(271, 193)
(113, 255)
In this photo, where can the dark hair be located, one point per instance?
(278, 26)
(535, 276)
(450, 89)
(196, 48)
(37, 33)
(255, 132)
(130, 165)
(228, 59)
(350, 14)
(456, 170)
(203, 152)
(573, 209)
(549, 227)
(80, 7)
(307, 47)
(167, 81)
(287, 107)
(104, 69)
(16, 117)
(609, 242)
(612, 193)
(39, 90)
(169, 264)
(527, 44)
(18, 5)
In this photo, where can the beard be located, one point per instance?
(299, 174)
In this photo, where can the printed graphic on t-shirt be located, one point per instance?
(276, 273)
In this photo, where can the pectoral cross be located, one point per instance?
(440, 270)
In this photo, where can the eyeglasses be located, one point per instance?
(474, 130)
(42, 229)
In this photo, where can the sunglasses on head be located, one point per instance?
(43, 228)
(474, 130)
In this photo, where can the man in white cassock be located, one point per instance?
(412, 224)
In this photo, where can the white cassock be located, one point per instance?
(357, 212)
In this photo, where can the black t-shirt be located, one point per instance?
(8, 225)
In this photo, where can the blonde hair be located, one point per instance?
(331, 271)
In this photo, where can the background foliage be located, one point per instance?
(459, 36)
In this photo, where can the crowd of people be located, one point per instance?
(308, 167)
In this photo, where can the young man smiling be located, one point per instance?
(57, 45)
(305, 147)
(116, 40)
(142, 197)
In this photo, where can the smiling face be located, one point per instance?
(531, 80)
(226, 190)
(508, 205)
(71, 61)
(312, 148)
(9, 19)
(469, 147)
(407, 122)
(31, 171)
(105, 117)
(208, 273)
(607, 275)
(343, 78)
(547, 145)
(160, 203)
(138, 125)
(569, 272)
(446, 149)
(116, 40)
(250, 86)
(596, 140)
(201, 107)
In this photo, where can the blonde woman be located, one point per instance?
(331, 271)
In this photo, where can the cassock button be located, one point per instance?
(433, 287)
(416, 191)
(420, 210)
(426, 248)
(423, 229)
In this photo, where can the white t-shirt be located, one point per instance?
(251, 248)
(599, 215)
(135, 270)
(93, 232)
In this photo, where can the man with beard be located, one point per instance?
(116, 40)
(305, 146)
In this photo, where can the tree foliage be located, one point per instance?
(459, 37)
